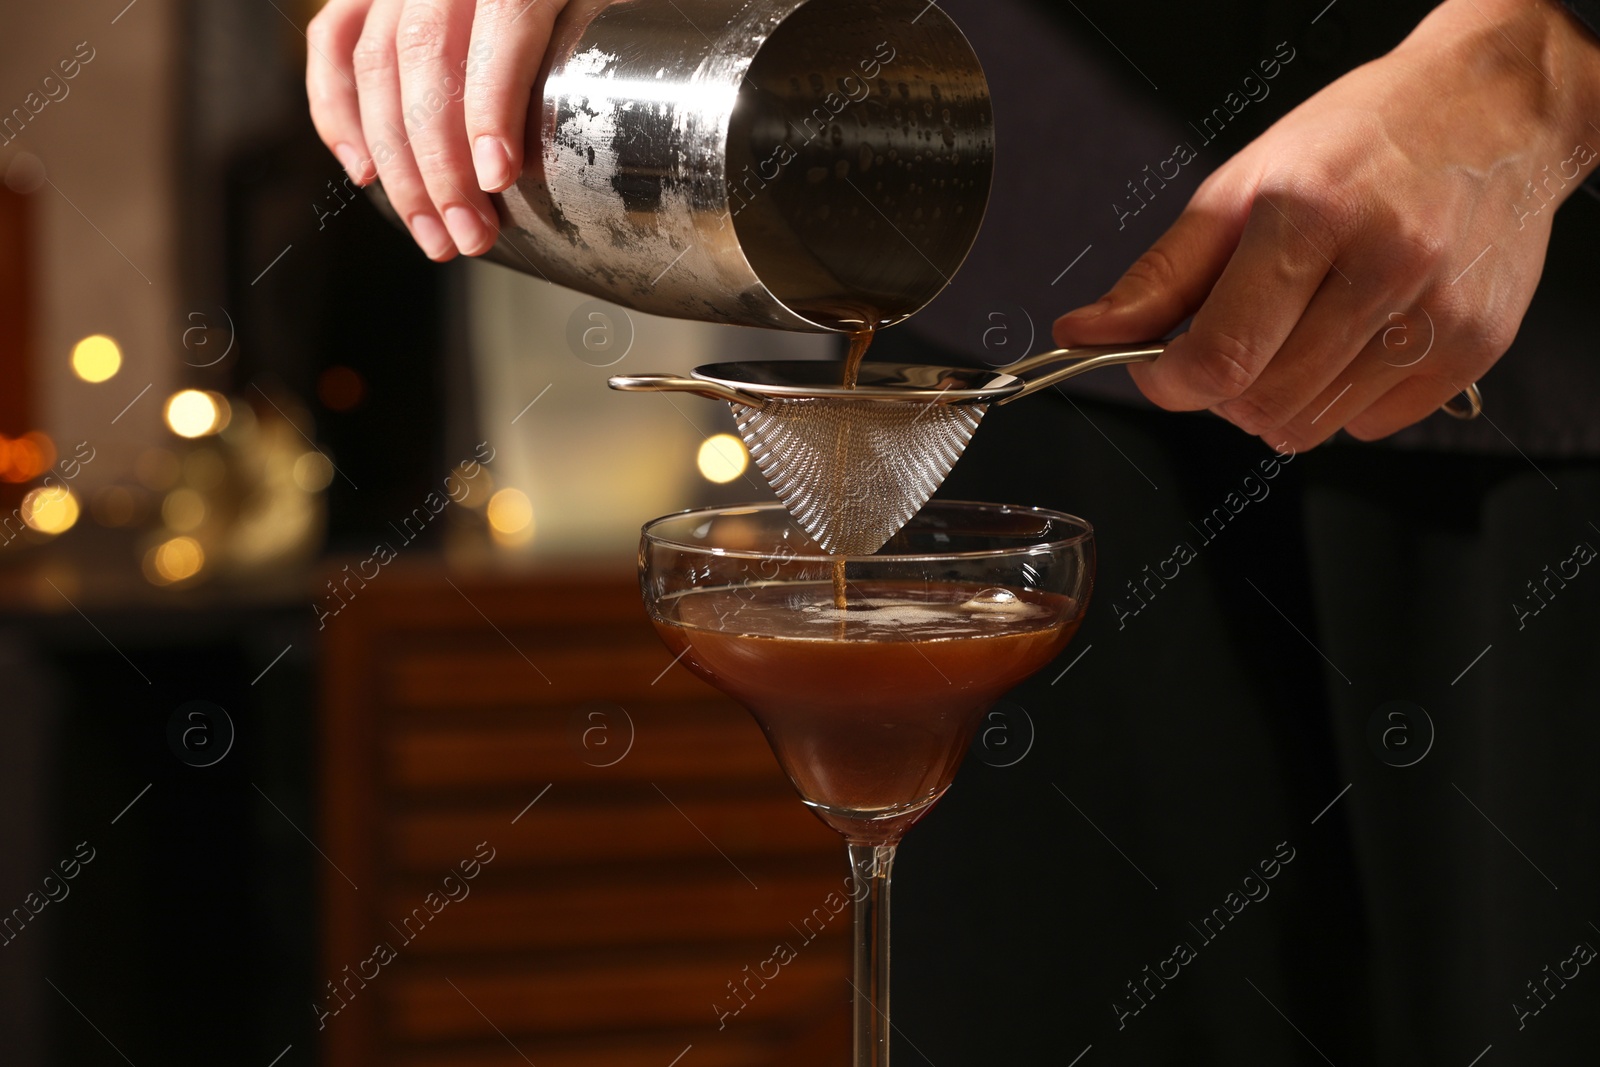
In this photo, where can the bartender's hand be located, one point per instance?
(432, 97)
(1319, 262)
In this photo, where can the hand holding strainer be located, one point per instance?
(853, 465)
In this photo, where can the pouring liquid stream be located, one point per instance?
(860, 341)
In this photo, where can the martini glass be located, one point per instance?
(869, 707)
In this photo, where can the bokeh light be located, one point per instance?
(340, 388)
(722, 458)
(510, 515)
(96, 358)
(24, 458)
(174, 560)
(192, 413)
(313, 471)
(50, 509)
(224, 410)
(479, 490)
(114, 506)
(183, 510)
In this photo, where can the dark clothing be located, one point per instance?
(1089, 115)
(1587, 11)
(1220, 707)
(1264, 653)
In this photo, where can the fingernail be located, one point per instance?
(492, 162)
(1092, 311)
(467, 229)
(431, 236)
(351, 161)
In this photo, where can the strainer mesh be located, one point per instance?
(853, 472)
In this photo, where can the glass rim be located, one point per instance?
(1085, 532)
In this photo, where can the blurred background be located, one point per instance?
(317, 589)
(333, 730)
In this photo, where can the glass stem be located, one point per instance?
(870, 866)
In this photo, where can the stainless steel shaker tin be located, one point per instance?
(798, 164)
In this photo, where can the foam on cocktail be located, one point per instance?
(807, 612)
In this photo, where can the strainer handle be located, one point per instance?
(1086, 358)
(672, 383)
(1089, 357)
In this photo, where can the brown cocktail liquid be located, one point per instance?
(869, 710)
(860, 341)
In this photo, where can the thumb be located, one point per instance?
(1165, 285)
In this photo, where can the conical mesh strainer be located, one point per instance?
(853, 465)
(853, 473)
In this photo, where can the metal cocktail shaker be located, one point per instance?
(797, 164)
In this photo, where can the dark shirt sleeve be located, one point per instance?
(1587, 12)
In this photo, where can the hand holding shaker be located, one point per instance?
(795, 164)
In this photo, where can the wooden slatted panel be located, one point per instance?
(635, 667)
(637, 993)
(690, 742)
(618, 907)
(688, 909)
(777, 824)
(16, 318)
(653, 1050)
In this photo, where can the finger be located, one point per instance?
(1410, 401)
(509, 38)
(378, 79)
(1342, 319)
(1357, 387)
(1263, 292)
(1170, 281)
(432, 47)
(331, 84)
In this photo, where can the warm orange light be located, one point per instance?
(510, 515)
(479, 489)
(50, 509)
(96, 358)
(224, 410)
(313, 471)
(340, 388)
(722, 458)
(174, 560)
(192, 413)
(183, 510)
(26, 457)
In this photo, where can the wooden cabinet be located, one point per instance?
(647, 853)
(16, 331)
